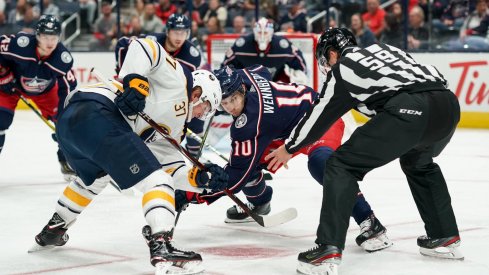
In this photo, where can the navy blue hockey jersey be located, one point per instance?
(245, 53)
(271, 112)
(188, 55)
(33, 74)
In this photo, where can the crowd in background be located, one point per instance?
(454, 23)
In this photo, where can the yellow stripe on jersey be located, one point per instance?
(156, 194)
(151, 44)
(170, 170)
(75, 197)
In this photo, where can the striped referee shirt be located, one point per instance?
(364, 79)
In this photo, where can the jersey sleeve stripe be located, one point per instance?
(55, 69)
(152, 46)
(146, 52)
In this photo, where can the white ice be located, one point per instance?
(106, 239)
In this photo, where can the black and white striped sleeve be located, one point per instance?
(333, 102)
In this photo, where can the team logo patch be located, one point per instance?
(241, 121)
(23, 41)
(240, 42)
(66, 57)
(284, 43)
(194, 52)
(134, 169)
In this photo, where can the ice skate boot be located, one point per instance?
(373, 235)
(446, 248)
(167, 259)
(67, 171)
(236, 214)
(53, 234)
(320, 260)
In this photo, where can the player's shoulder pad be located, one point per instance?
(22, 44)
(61, 59)
(149, 48)
(190, 53)
(243, 41)
(261, 70)
(244, 127)
(281, 43)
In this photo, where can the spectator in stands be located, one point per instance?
(48, 8)
(29, 20)
(239, 25)
(392, 32)
(418, 33)
(87, 14)
(396, 9)
(104, 29)
(164, 9)
(133, 27)
(200, 8)
(212, 26)
(471, 24)
(3, 18)
(374, 17)
(17, 14)
(363, 35)
(215, 9)
(295, 19)
(150, 22)
(453, 16)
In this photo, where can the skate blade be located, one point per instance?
(187, 268)
(442, 253)
(378, 243)
(36, 248)
(322, 269)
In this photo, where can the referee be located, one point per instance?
(413, 116)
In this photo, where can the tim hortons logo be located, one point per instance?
(476, 94)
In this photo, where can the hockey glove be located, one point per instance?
(133, 99)
(217, 181)
(7, 80)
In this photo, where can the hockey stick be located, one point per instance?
(265, 221)
(35, 110)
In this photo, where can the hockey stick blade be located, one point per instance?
(279, 218)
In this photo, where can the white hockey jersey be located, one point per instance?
(169, 88)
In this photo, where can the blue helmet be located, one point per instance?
(48, 24)
(178, 21)
(230, 81)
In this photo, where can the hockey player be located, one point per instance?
(38, 67)
(274, 52)
(265, 113)
(175, 42)
(413, 115)
(100, 134)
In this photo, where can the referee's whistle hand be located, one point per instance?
(277, 158)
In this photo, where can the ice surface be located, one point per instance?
(106, 239)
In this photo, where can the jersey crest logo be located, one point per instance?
(241, 121)
(194, 52)
(134, 169)
(240, 42)
(66, 57)
(34, 85)
(23, 41)
(284, 43)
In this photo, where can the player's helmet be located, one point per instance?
(48, 24)
(178, 21)
(230, 81)
(334, 38)
(211, 90)
(263, 32)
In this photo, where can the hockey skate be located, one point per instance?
(167, 259)
(446, 248)
(67, 171)
(320, 260)
(52, 235)
(373, 235)
(236, 214)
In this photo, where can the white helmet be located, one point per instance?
(263, 31)
(211, 90)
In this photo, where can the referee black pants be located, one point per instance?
(412, 127)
